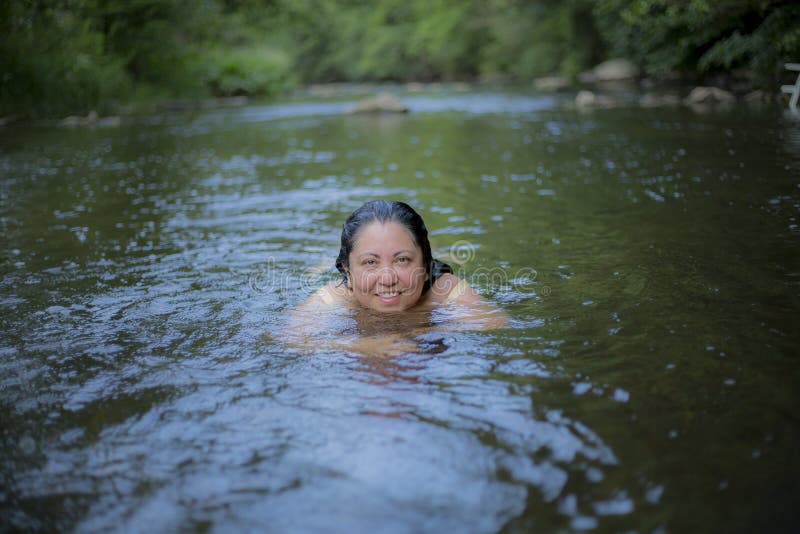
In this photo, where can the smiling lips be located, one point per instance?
(389, 297)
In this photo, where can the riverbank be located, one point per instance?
(642, 93)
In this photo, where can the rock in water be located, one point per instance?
(383, 103)
(614, 70)
(587, 99)
(551, 83)
(709, 96)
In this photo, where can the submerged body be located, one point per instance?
(388, 273)
(332, 319)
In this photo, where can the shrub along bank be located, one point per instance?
(63, 57)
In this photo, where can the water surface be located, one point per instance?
(648, 381)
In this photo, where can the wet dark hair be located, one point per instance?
(385, 211)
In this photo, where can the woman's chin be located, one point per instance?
(382, 304)
(381, 307)
(392, 302)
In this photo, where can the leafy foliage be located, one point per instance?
(72, 56)
(53, 62)
(245, 71)
(764, 49)
(700, 35)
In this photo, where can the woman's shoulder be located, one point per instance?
(330, 294)
(450, 288)
(476, 313)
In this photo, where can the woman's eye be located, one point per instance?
(370, 263)
(403, 260)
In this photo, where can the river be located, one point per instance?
(648, 382)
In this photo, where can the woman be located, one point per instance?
(387, 267)
(386, 263)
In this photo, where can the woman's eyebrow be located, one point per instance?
(376, 255)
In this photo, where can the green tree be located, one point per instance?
(700, 36)
(535, 38)
(53, 60)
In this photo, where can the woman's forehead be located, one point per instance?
(384, 236)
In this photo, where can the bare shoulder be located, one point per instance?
(450, 288)
(331, 294)
(474, 312)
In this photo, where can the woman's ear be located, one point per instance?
(347, 280)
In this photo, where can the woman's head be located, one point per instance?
(385, 256)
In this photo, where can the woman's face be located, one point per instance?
(386, 272)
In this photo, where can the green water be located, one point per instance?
(648, 259)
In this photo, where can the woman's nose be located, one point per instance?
(387, 276)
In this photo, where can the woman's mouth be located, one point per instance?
(389, 297)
